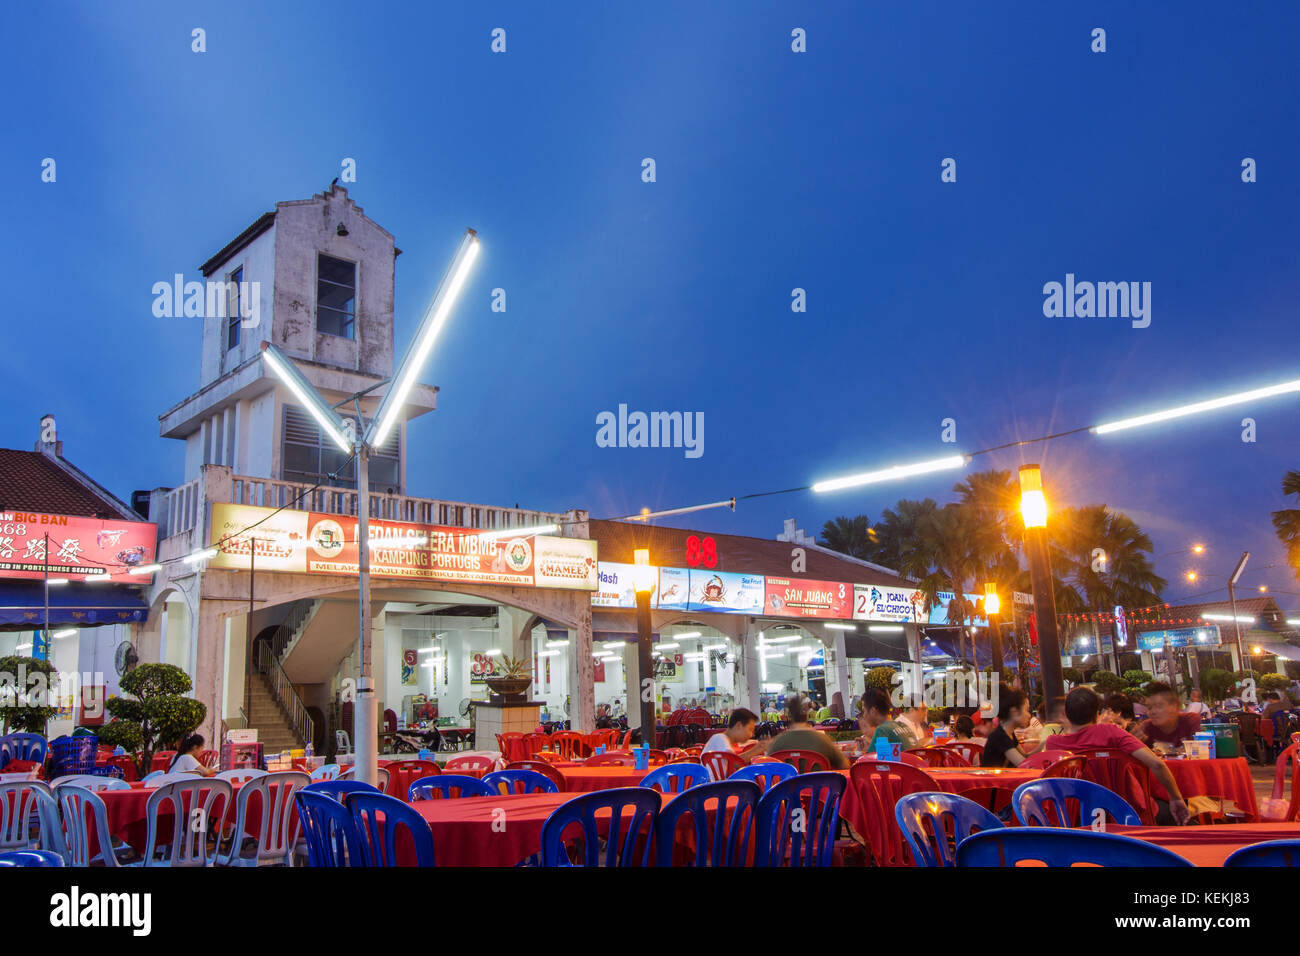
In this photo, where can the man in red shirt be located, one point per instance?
(1082, 707)
(1166, 723)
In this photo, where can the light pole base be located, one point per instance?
(365, 732)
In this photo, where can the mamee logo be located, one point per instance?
(77, 909)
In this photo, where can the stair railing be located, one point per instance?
(268, 665)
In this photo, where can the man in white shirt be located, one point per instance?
(917, 722)
(1197, 706)
(738, 738)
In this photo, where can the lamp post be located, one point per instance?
(644, 584)
(993, 604)
(1033, 508)
(1232, 598)
(360, 442)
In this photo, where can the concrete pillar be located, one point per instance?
(582, 675)
(209, 667)
(748, 667)
(837, 673)
(233, 682)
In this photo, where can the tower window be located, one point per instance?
(336, 294)
(232, 308)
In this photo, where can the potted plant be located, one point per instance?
(512, 680)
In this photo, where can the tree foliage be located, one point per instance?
(158, 708)
(28, 693)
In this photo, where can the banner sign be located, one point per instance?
(304, 542)
(795, 597)
(939, 612)
(77, 546)
(674, 588)
(616, 587)
(726, 591)
(1179, 637)
(881, 603)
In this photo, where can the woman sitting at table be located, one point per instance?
(1001, 749)
(186, 759)
(963, 731)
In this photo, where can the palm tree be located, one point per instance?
(899, 541)
(1287, 522)
(851, 536)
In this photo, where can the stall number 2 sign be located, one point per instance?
(701, 552)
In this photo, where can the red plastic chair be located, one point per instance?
(511, 746)
(534, 743)
(805, 761)
(542, 767)
(162, 759)
(879, 784)
(471, 762)
(627, 739)
(402, 773)
(971, 753)
(907, 757)
(940, 757)
(1072, 766)
(658, 758)
(611, 758)
(1119, 772)
(1289, 757)
(1043, 759)
(721, 764)
(208, 757)
(570, 744)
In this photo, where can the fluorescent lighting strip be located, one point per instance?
(891, 473)
(312, 402)
(522, 532)
(1182, 411)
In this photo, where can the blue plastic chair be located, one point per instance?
(448, 785)
(518, 782)
(379, 836)
(153, 775)
(766, 774)
(328, 828)
(23, 804)
(1272, 853)
(1057, 846)
(74, 804)
(779, 841)
(631, 821)
(722, 841)
(676, 777)
(951, 819)
(1069, 802)
(31, 858)
(22, 746)
(338, 789)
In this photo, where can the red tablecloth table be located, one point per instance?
(580, 779)
(950, 780)
(1226, 778)
(127, 817)
(1210, 846)
(487, 831)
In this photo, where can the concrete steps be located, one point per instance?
(274, 731)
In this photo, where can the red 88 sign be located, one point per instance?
(701, 552)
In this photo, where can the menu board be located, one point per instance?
(674, 588)
(799, 597)
(873, 602)
(310, 543)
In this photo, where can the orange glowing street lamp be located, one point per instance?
(1033, 509)
(643, 581)
(993, 604)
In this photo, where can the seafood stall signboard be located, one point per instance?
(81, 546)
(310, 543)
(799, 597)
(872, 602)
(615, 587)
(726, 591)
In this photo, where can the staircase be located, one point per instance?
(274, 731)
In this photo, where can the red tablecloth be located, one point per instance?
(1226, 778)
(1210, 846)
(127, 819)
(488, 831)
(950, 779)
(579, 779)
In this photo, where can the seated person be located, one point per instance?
(1001, 748)
(1167, 726)
(1118, 710)
(738, 738)
(1082, 708)
(187, 758)
(800, 735)
(874, 722)
(963, 730)
(1273, 703)
(916, 719)
(1055, 716)
(1197, 706)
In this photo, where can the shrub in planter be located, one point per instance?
(157, 707)
(28, 690)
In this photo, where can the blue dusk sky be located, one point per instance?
(775, 170)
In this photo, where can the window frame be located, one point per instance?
(350, 328)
